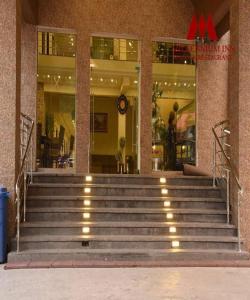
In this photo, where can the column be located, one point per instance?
(10, 60)
(239, 106)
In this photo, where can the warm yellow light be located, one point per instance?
(87, 190)
(86, 215)
(88, 178)
(164, 191)
(172, 229)
(175, 244)
(170, 216)
(167, 203)
(87, 202)
(162, 180)
(85, 230)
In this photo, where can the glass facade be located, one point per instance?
(173, 106)
(56, 82)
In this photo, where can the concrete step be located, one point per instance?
(126, 241)
(125, 201)
(122, 190)
(123, 255)
(121, 179)
(127, 228)
(125, 214)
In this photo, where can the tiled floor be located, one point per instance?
(126, 284)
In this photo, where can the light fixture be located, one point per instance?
(165, 83)
(37, 75)
(175, 244)
(194, 84)
(87, 202)
(172, 229)
(72, 39)
(170, 216)
(185, 84)
(135, 81)
(112, 80)
(175, 83)
(167, 203)
(48, 76)
(101, 79)
(91, 78)
(70, 77)
(74, 55)
(86, 215)
(59, 76)
(185, 62)
(87, 190)
(164, 191)
(85, 230)
(162, 180)
(88, 178)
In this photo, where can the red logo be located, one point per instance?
(203, 27)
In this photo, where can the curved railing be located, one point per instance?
(225, 169)
(25, 172)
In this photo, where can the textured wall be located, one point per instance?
(9, 96)
(239, 107)
(212, 98)
(144, 20)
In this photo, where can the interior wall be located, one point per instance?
(212, 99)
(105, 143)
(143, 20)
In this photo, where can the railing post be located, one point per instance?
(214, 161)
(228, 195)
(238, 220)
(18, 220)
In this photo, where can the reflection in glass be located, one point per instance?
(173, 106)
(56, 100)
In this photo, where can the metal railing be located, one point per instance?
(224, 170)
(25, 173)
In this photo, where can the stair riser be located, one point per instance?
(110, 257)
(128, 231)
(125, 245)
(127, 204)
(70, 191)
(122, 180)
(31, 217)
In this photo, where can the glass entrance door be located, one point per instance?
(114, 106)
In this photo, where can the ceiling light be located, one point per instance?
(165, 83)
(185, 62)
(59, 76)
(101, 79)
(48, 76)
(112, 80)
(135, 81)
(70, 77)
(175, 83)
(86, 202)
(87, 190)
(167, 203)
(185, 84)
(88, 178)
(85, 230)
(194, 84)
(91, 78)
(164, 191)
(86, 215)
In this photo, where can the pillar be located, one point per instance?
(10, 60)
(239, 107)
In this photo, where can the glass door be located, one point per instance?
(114, 106)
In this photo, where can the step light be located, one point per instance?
(167, 203)
(85, 230)
(169, 216)
(175, 244)
(88, 178)
(87, 190)
(86, 202)
(86, 215)
(164, 191)
(172, 229)
(163, 180)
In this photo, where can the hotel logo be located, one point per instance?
(204, 28)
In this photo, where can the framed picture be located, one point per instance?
(99, 122)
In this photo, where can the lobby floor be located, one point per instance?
(126, 284)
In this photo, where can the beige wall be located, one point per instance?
(212, 98)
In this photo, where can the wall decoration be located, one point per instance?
(122, 104)
(99, 122)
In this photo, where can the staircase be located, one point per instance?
(125, 218)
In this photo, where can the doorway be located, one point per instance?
(114, 106)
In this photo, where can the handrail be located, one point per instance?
(23, 174)
(227, 160)
(229, 168)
